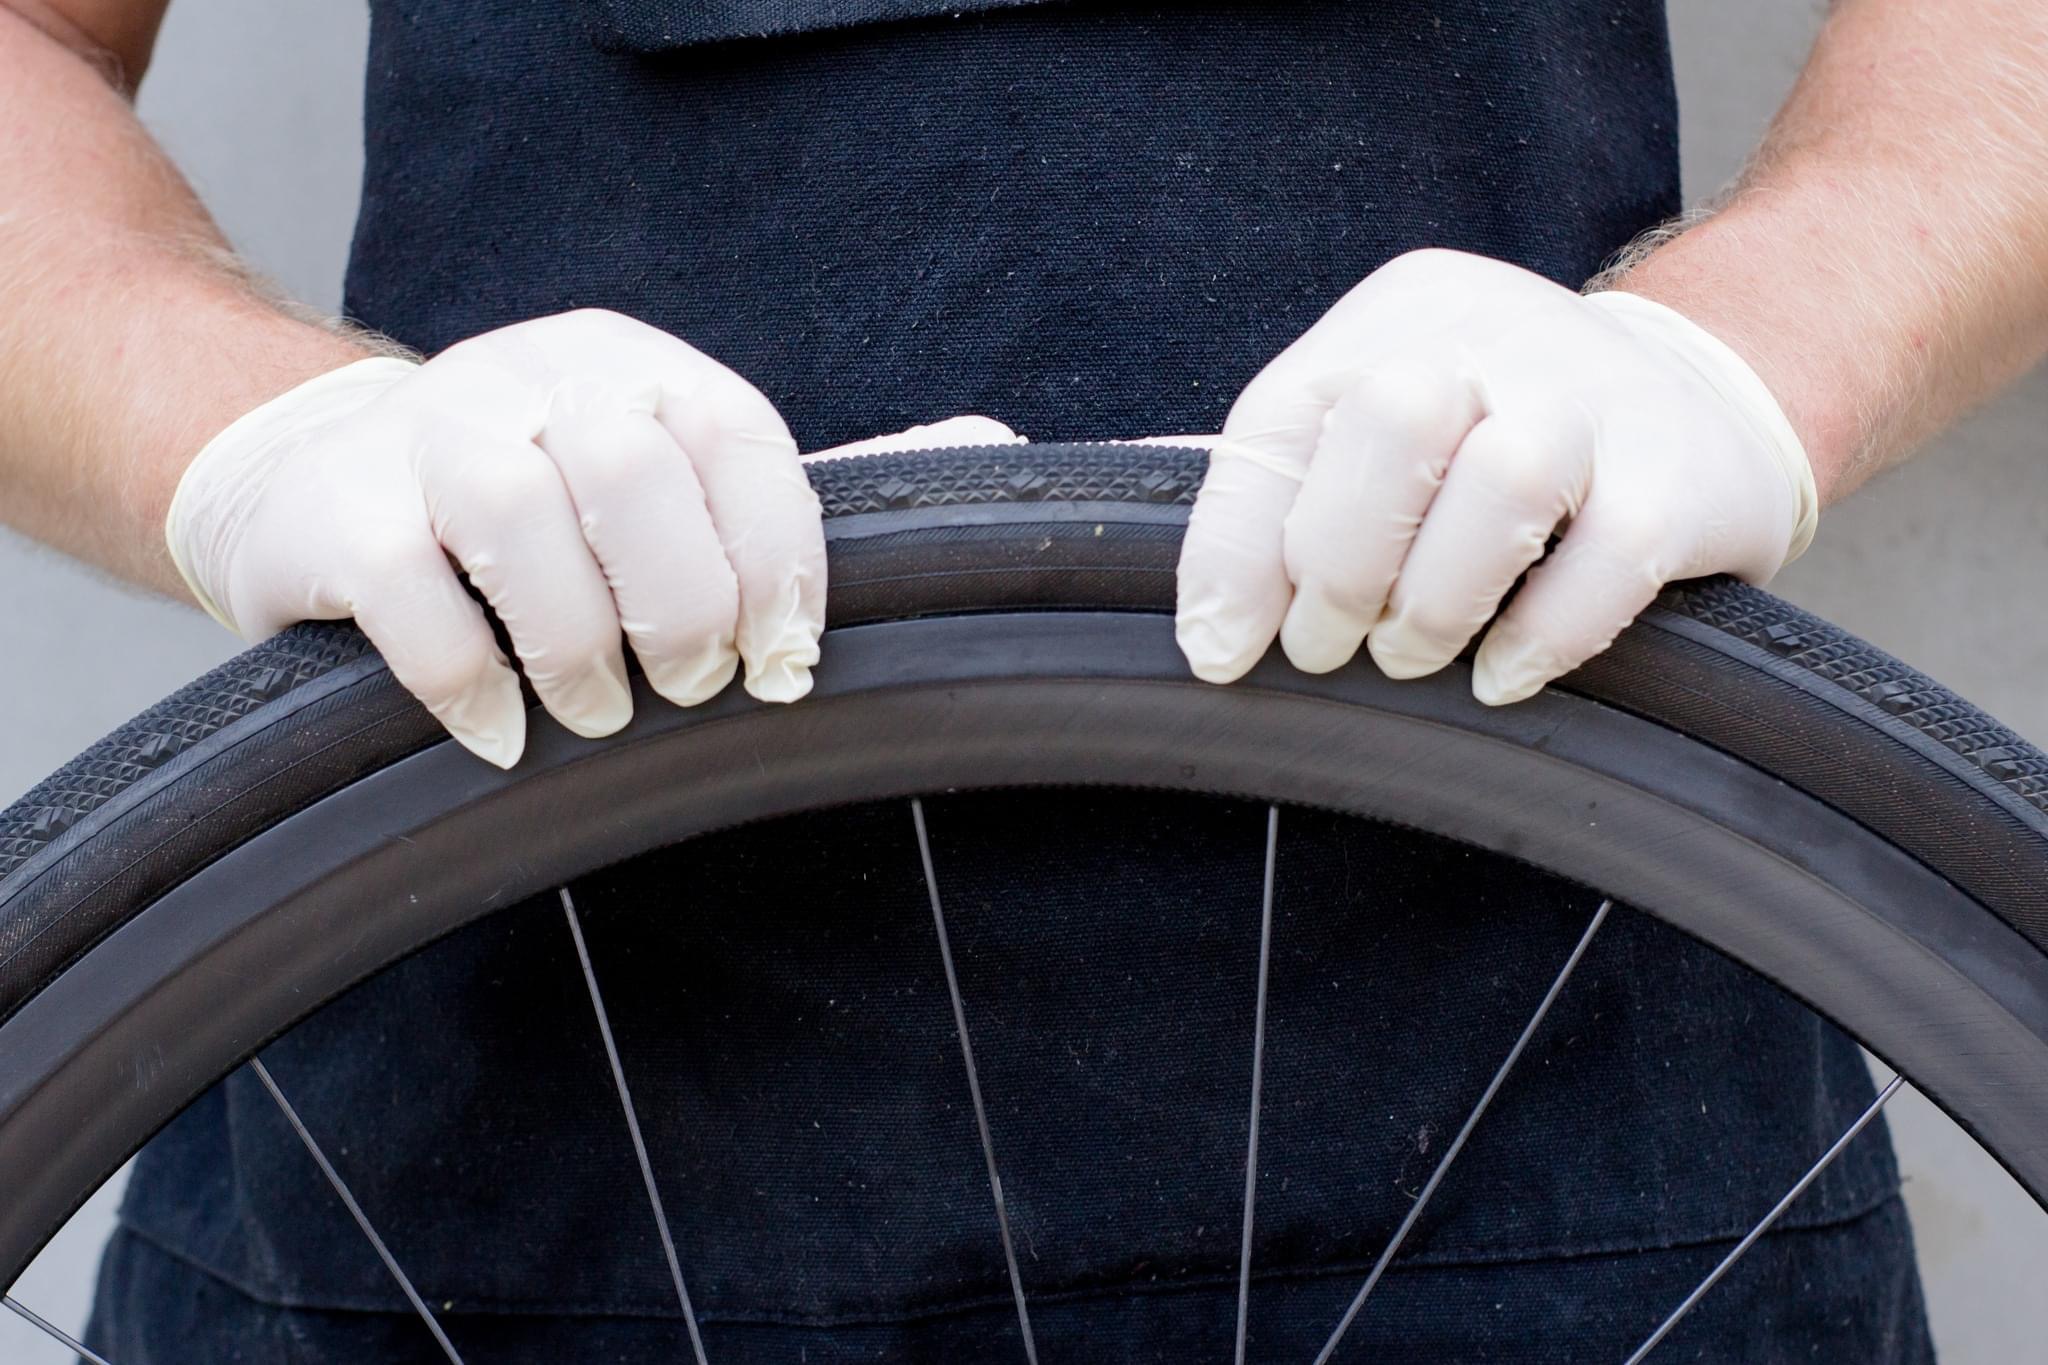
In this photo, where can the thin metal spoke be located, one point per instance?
(355, 1210)
(611, 1051)
(1251, 1145)
(1471, 1122)
(988, 1145)
(1755, 1233)
(52, 1330)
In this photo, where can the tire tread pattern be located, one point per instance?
(195, 713)
(1835, 656)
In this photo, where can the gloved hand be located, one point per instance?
(591, 474)
(1389, 475)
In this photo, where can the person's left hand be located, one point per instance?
(1391, 474)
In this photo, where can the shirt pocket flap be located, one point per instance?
(653, 26)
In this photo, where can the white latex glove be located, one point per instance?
(593, 475)
(1389, 475)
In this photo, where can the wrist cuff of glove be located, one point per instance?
(226, 477)
(1739, 386)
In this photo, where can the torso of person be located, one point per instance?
(1089, 220)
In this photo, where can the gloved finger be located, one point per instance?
(643, 515)
(1609, 566)
(1515, 477)
(502, 510)
(1231, 586)
(1381, 458)
(1232, 582)
(767, 517)
(968, 429)
(405, 596)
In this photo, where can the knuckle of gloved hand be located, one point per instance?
(619, 457)
(716, 414)
(1326, 552)
(1511, 464)
(1636, 541)
(1312, 540)
(387, 560)
(735, 403)
(510, 489)
(1400, 410)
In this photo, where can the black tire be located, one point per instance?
(1749, 773)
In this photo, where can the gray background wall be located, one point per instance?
(260, 102)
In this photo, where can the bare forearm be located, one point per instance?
(127, 335)
(1883, 263)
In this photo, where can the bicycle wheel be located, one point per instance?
(294, 823)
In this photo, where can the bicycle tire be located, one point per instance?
(1905, 831)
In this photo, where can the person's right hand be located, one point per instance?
(591, 474)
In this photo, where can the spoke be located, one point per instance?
(51, 1330)
(1251, 1145)
(355, 1210)
(988, 1145)
(1742, 1248)
(611, 1051)
(1471, 1122)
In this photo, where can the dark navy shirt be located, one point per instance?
(1086, 219)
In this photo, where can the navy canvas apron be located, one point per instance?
(1087, 219)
